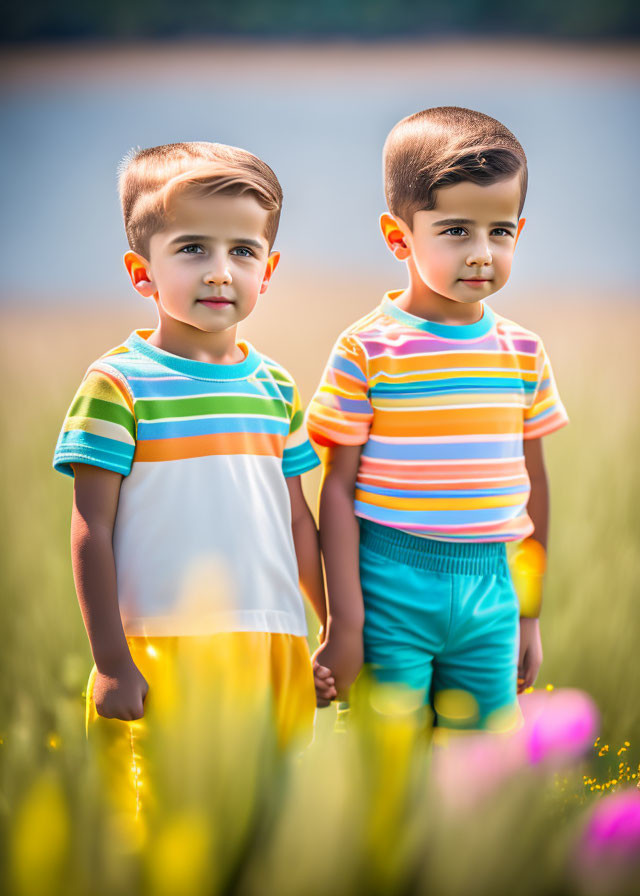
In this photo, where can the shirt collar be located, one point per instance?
(200, 370)
(445, 331)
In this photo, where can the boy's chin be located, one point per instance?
(466, 299)
(469, 295)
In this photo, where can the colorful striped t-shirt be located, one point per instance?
(442, 412)
(202, 538)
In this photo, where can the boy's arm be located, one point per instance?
(119, 689)
(538, 506)
(342, 650)
(530, 654)
(305, 540)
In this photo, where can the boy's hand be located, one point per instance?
(343, 654)
(530, 657)
(121, 693)
(325, 685)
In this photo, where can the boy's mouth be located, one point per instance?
(215, 302)
(475, 281)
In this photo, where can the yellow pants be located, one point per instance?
(208, 697)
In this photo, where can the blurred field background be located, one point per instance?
(318, 113)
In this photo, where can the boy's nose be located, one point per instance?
(219, 275)
(480, 254)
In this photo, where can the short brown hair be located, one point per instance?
(443, 146)
(149, 179)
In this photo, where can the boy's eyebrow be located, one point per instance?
(450, 222)
(199, 237)
(457, 222)
(254, 244)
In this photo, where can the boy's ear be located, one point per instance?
(137, 268)
(521, 224)
(394, 237)
(272, 264)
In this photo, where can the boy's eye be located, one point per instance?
(455, 231)
(501, 231)
(242, 251)
(192, 249)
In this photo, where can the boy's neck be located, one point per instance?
(421, 301)
(185, 341)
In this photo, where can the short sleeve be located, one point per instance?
(340, 412)
(100, 426)
(298, 455)
(546, 412)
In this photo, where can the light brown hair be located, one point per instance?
(150, 178)
(442, 146)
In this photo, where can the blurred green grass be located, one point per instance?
(590, 621)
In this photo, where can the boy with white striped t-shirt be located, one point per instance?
(186, 446)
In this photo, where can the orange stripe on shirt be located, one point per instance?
(200, 446)
(476, 421)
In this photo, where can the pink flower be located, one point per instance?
(615, 825)
(558, 725)
(608, 856)
(558, 728)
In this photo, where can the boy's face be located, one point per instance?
(211, 262)
(463, 248)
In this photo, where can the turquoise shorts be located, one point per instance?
(443, 618)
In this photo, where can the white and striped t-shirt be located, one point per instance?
(202, 537)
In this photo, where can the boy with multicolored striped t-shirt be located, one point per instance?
(190, 533)
(432, 409)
